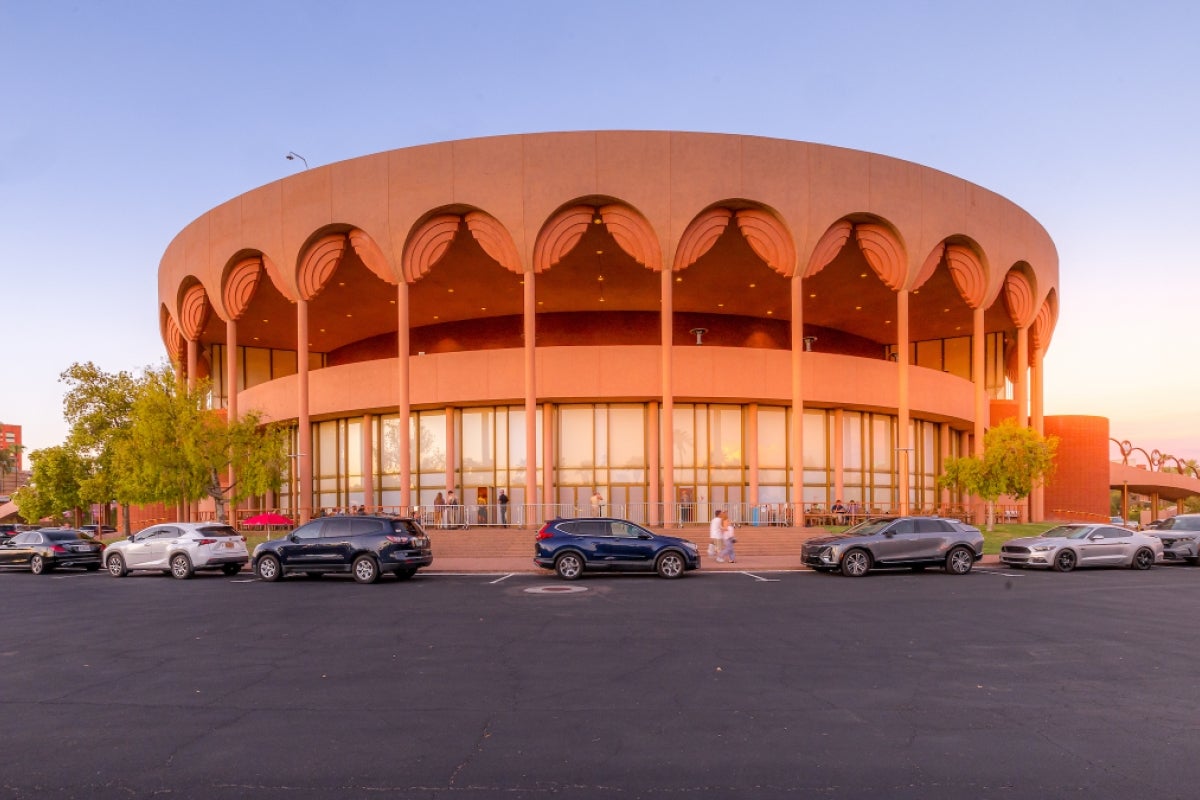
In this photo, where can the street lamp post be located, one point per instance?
(292, 155)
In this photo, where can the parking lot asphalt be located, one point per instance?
(729, 684)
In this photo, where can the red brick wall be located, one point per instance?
(1079, 488)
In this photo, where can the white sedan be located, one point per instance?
(179, 549)
(1066, 547)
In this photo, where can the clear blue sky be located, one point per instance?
(123, 121)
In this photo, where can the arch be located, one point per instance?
(427, 244)
(172, 337)
(884, 252)
(1019, 291)
(371, 255)
(194, 309)
(969, 273)
(699, 237)
(239, 285)
(1043, 323)
(929, 266)
(318, 263)
(632, 234)
(830, 244)
(769, 239)
(495, 240)
(559, 236)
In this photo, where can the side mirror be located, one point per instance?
(889, 534)
(645, 535)
(130, 537)
(1095, 537)
(293, 537)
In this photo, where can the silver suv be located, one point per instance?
(914, 542)
(179, 549)
(1180, 537)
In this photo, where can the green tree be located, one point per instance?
(177, 450)
(54, 485)
(8, 458)
(98, 406)
(1014, 461)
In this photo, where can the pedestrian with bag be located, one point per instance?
(716, 535)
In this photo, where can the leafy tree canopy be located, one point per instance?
(1014, 461)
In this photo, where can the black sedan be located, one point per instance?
(50, 548)
(570, 546)
(363, 546)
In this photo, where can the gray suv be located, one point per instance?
(914, 542)
(1180, 537)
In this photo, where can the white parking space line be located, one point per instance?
(1000, 572)
(76, 575)
(503, 577)
(760, 578)
(246, 580)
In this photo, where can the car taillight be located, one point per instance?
(207, 541)
(545, 533)
(243, 538)
(399, 539)
(58, 548)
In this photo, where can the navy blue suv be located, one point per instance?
(570, 546)
(362, 546)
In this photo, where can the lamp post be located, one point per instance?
(292, 155)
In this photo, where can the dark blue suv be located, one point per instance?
(363, 546)
(570, 546)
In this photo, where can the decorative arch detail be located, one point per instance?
(193, 311)
(173, 339)
(370, 254)
(1018, 297)
(883, 252)
(561, 234)
(427, 245)
(320, 261)
(769, 240)
(1043, 324)
(930, 265)
(494, 239)
(968, 272)
(830, 244)
(633, 234)
(241, 282)
(700, 236)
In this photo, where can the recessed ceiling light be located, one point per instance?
(944, 310)
(862, 275)
(393, 302)
(264, 321)
(451, 291)
(540, 302)
(679, 280)
(349, 315)
(341, 283)
(752, 285)
(769, 313)
(601, 299)
(599, 252)
(887, 322)
(720, 305)
(814, 294)
(256, 338)
(858, 308)
(599, 277)
(483, 308)
(435, 316)
(322, 330)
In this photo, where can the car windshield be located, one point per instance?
(1067, 532)
(218, 530)
(869, 527)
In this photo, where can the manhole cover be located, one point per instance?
(556, 589)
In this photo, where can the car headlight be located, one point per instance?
(691, 546)
(1041, 548)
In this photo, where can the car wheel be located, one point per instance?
(116, 566)
(181, 566)
(1143, 558)
(670, 565)
(406, 573)
(365, 569)
(37, 565)
(569, 566)
(856, 563)
(1064, 561)
(231, 569)
(959, 561)
(268, 569)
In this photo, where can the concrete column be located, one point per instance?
(452, 458)
(903, 456)
(654, 478)
(529, 320)
(231, 376)
(304, 494)
(667, 335)
(944, 435)
(752, 451)
(797, 365)
(1037, 499)
(979, 378)
(548, 460)
(404, 393)
(368, 461)
(1021, 388)
(193, 359)
(839, 456)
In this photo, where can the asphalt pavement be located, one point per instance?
(733, 683)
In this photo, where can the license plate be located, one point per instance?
(229, 545)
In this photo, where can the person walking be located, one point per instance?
(597, 503)
(439, 504)
(728, 538)
(504, 508)
(716, 535)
